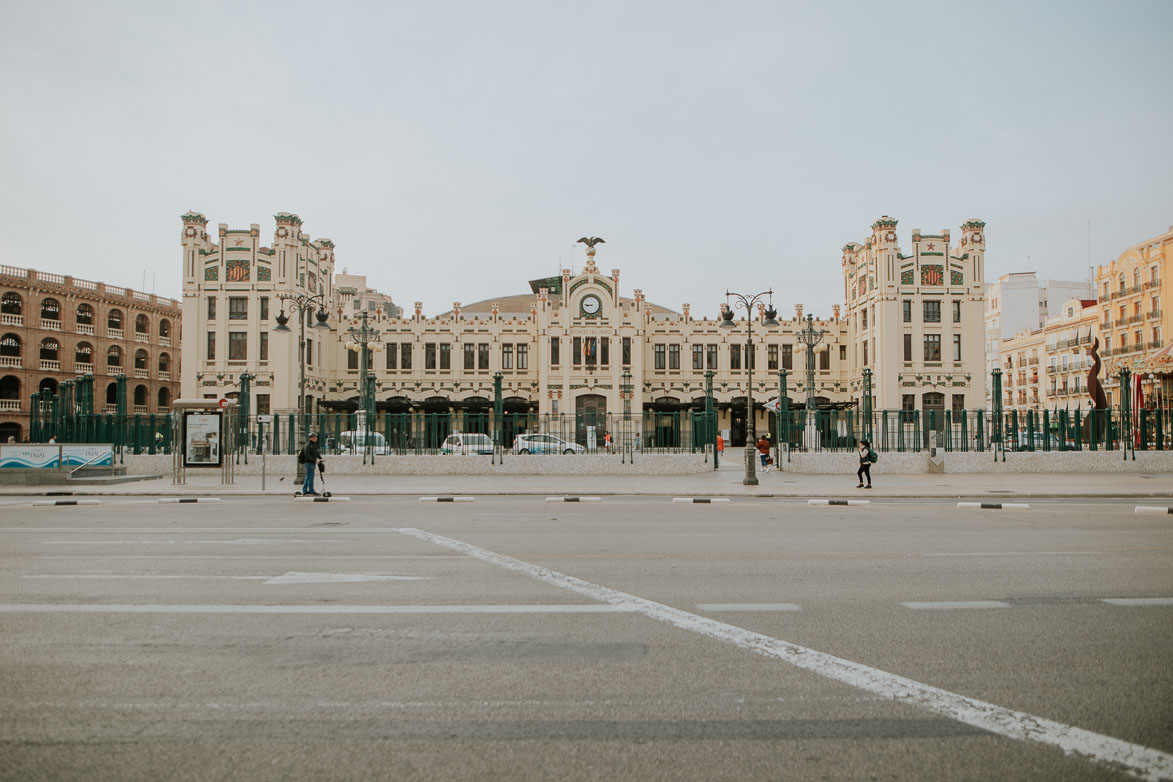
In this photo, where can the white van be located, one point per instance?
(466, 442)
(356, 442)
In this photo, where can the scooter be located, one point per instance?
(322, 475)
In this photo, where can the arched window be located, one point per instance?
(48, 384)
(164, 362)
(85, 314)
(1121, 280)
(10, 387)
(49, 349)
(11, 303)
(164, 398)
(114, 356)
(50, 309)
(164, 328)
(112, 394)
(1136, 278)
(83, 353)
(934, 401)
(10, 346)
(114, 319)
(140, 359)
(142, 325)
(140, 396)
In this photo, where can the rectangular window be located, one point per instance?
(735, 356)
(264, 308)
(237, 346)
(576, 351)
(956, 347)
(932, 347)
(555, 359)
(470, 355)
(605, 351)
(211, 345)
(865, 352)
(627, 351)
(864, 313)
(711, 357)
(429, 355)
(237, 308)
(523, 356)
(262, 404)
(908, 347)
(392, 349)
(352, 359)
(772, 357)
(908, 407)
(661, 362)
(842, 352)
(507, 357)
(263, 348)
(211, 308)
(445, 356)
(788, 356)
(698, 356)
(956, 311)
(674, 357)
(483, 356)
(825, 359)
(907, 311)
(405, 356)
(958, 403)
(309, 352)
(932, 310)
(751, 355)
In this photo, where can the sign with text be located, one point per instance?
(202, 437)
(30, 456)
(89, 455)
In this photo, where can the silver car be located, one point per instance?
(544, 443)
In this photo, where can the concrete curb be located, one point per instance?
(447, 499)
(67, 502)
(994, 505)
(838, 502)
(1154, 509)
(700, 500)
(574, 499)
(188, 499)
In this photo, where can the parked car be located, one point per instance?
(467, 442)
(1024, 442)
(544, 443)
(356, 441)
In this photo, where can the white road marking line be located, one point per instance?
(1157, 509)
(1132, 758)
(950, 605)
(219, 608)
(748, 607)
(1139, 601)
(340, 578)
(253, 557)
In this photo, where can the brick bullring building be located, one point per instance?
(54, 328)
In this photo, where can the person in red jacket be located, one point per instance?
(763, 446)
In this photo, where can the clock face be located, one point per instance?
(591, 304)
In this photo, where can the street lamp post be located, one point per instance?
(810, 336)
(365, 339)
(625, 388)
(747, 303)
(303, 304)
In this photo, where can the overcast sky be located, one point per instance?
(454, 151)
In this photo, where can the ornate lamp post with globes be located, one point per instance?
(747, 302)
(364, 339)
(303, 304)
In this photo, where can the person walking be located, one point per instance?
(867, 457)
(763, 446)
(309, 456)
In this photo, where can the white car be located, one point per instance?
(544, 443)
(467, 442)
(357, 441)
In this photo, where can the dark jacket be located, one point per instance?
(311, 454)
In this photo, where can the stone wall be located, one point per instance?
(1054, 462)
(596, 464)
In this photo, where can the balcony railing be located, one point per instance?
(10, 405)
(164, 374)
(83, 369)
(142, 409)
(11, 362)
(1151, 284)
(140, 336)
(50, 325)
(8, 319)
(85, 328)
(142, 373)
(1155, 314)
(49, 365)
(165, 341)
(115, 333)
(114, 371)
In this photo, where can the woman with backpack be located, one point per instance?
(867, 457)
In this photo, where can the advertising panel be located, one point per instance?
(35, 456)
(201, 440)
(96, 455)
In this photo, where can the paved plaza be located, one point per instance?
(635, 637)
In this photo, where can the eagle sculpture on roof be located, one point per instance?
(591, 242)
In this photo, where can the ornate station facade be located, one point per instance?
(574, 344)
